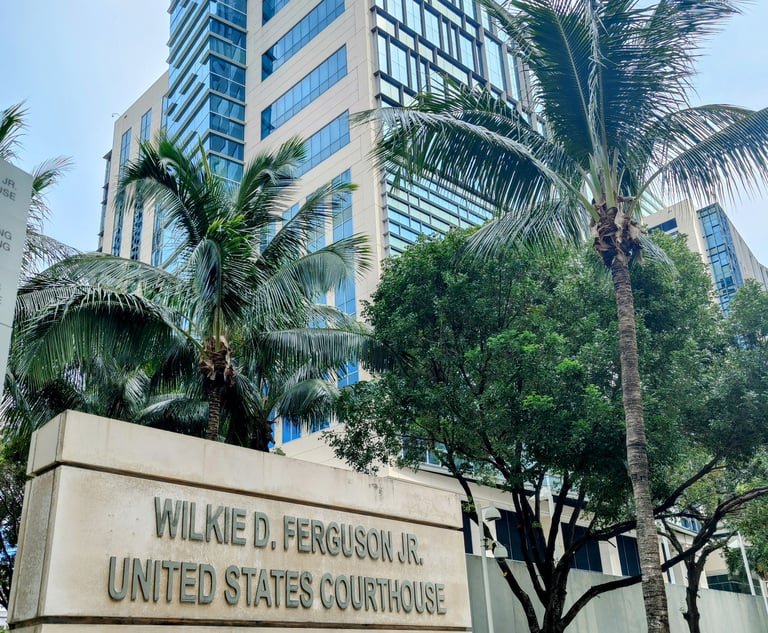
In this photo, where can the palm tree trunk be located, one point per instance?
(218, 373)
(637, 450)
(214, 414)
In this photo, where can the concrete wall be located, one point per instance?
(94, 548)
(615, 612)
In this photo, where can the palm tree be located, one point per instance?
(235, 324)
(40, 250)
(609, 126)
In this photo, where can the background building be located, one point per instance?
(710, 233)
(134, 233)
(247, 75)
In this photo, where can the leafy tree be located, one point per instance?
(513, 378)
(234, 326)
(13, 460)
(609, 81)
(718, 503)
(752, 525)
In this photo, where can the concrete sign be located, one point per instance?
(15, 196)
(125, 525)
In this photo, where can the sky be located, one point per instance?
(79, 63)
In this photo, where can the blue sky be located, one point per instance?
(78, 62)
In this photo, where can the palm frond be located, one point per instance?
(554, 40)
(310, 400)
(312, 217)
(268, 183)
(11, 129)
(475, 149)
(733, 157)
(541, 228)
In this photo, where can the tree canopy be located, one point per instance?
(511, 380)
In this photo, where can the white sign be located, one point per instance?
(15, 196)
(187, 534)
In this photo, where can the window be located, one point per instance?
(227, 169)
(466, 530)
(629, 556)
(220, 145)
(291, 430)
(117, 230)
(146, 125)
(399, 66)
(413, 15)
(587, 557)
(508, 534)
(304, 92)
(157, 237)
(426, 207)
(316, 426)
(326, 142)
(300, 35)
(270, 8)
(666, 227)
(227, 78)
(495, 66)
(349, 375)
(345, 297)
(514, 90)
(396, 9)
(342, 211)
(231, 10)
(125, 147)
(467, 51)
(432, 27)
(138, 225)
(381, 45)
(228, 33)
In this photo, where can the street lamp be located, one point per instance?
(498, 551)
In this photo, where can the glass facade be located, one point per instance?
(300, 35)
(304, 92)
(345, 294)
(270, 7)
(326, 142)
(345, 298)
(206, 96)
(419, 42)
(721, 253)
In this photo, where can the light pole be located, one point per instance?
(498, 550)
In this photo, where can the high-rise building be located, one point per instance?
(247, 75)
(710, 233)
(136, 232)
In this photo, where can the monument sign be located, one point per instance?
(125, 526)
(15, 196)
